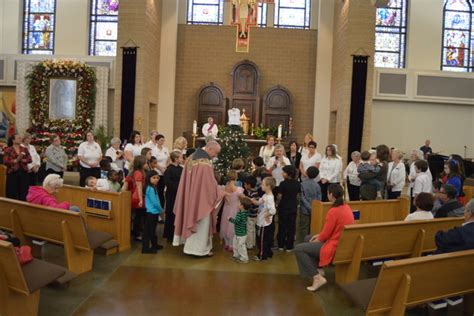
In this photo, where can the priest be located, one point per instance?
(197, 202)
(210, 128)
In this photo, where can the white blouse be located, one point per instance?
(136, 150)
(351, 173)
(162, 156)
(307, 162)
(396, 176)
(35, 158)
(266, 153)
(330, 169)
(91, 152)
(277, 172)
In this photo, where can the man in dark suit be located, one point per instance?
(458, 238)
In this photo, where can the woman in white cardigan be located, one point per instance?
(396, 175)
(330, 170)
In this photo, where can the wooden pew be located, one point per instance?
(369, 211)
(365, 242)
(469, 192)
(63, 227)
(410, 282)
(3, 180)
(115, 222)
(20, 285)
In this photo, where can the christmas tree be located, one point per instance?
(233, 146)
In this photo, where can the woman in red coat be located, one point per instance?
(318, 250)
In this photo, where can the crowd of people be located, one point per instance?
(259, 200)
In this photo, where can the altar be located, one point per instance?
(271, 110)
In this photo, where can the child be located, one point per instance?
(288, 191)
(251, 192)
(422, 180)
(238, 165)
(114, 181)
(259, 168)
(240, 231)
(153, 164)
(310, 190)
(97, 184)
(105, 167)
(424, 205)
(147, 153)
(231, 207)
(172, 176)
(265, 224)
(153, 208)
(368, 169)
(134, 183)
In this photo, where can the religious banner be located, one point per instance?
(127, 98)
(358, 91)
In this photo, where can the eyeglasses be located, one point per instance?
(312, 147)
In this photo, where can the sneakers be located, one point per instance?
(290, 250)
(281, 249)
(318, 281)
(256, 258)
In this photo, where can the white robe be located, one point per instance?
(200, 243)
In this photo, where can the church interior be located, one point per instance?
(354, 73)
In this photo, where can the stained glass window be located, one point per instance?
(293, 13)
(206, 12)
(458, 36)
(103, 27)
(38, 26)
(262, 15)
(390, 35)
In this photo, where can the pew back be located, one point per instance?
(469, 192)
(42, 222)
(422, 280)
(391, 239)
(115, 221)
(368, 212)
(11, 268)
(3, 180)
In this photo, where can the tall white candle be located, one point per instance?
(280, 127)
(195, 127)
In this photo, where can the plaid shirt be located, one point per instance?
(10, 157)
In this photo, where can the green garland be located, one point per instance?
(70, 131)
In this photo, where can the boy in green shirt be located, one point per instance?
(240, 228)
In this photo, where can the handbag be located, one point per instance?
(23, 254)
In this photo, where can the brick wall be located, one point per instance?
(207, 53)
(354, 33)
(140, 21)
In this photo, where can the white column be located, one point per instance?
(424, 38)
(166, 89)
(11, 26)
(322, 96)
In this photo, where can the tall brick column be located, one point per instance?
(140, 21)
(354, 34)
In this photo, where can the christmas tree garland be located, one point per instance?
(71, 132)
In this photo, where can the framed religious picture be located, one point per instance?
(62, 99)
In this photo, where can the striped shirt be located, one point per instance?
(240, 223)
